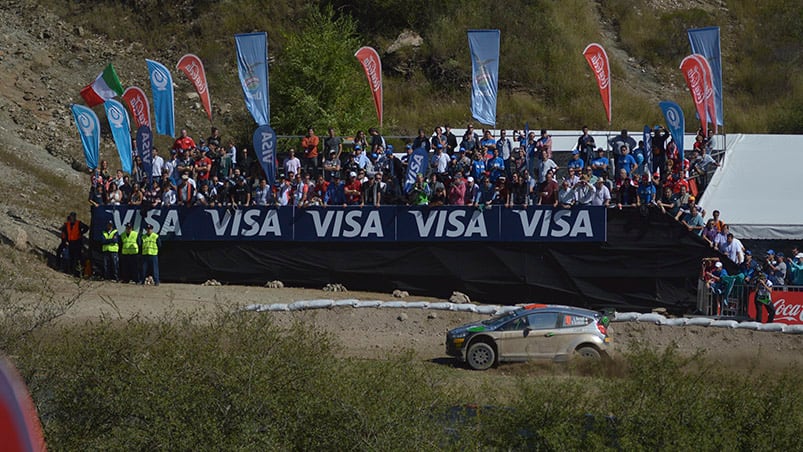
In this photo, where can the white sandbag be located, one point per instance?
(652, 318)
(350, 303)
(489, 309)
(465, 307)
(393, 304)
(252, 307)
(699, 321)
(310, 304)
(275, 307)
(506, 309)
(418, 304)
(748, 325)
(793, 329)
(771, 327)
(367, 304)
(626, 316)
(724, 324)
(442, 306)
(676, 322)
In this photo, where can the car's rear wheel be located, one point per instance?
(480, 356)
(588, 352)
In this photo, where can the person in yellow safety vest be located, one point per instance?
(111, 247)
(129, 268)
(150, 254)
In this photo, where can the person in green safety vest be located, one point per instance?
(129, 268)
(111, 248)
(150, 254)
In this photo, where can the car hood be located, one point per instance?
(474, 327)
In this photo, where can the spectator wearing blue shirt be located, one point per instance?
(625, 160)
(478, 167)
(488, 143)
(576, 164)
(694, 221)
(496, 166)
(335, 196)
(600, 164)
(646, 192)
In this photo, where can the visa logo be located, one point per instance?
(246, 223)
(347, 223)
(455, 223)
(557, 224)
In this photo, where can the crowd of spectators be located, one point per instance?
(477, 169)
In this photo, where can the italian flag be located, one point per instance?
(105, 87)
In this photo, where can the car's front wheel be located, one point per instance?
(587, 352)
(480, 356)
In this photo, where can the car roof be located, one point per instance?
(556, 307)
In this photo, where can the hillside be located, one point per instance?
(53, 48)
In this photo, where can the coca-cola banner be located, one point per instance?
(598, 61)
(788, 307)
(137, 102)
(694, 73)
(373, 70)
(193, 68)
(708, 82)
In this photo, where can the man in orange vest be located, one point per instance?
(72, 232)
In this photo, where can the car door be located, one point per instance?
(542, 331)
(570, 328)
(511, 341)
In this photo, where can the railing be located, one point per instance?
(723, 300)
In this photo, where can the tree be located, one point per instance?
(317, 81)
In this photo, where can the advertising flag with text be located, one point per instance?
(597, 59)
(138, 103)
(193, 68)
(372, 65)
(694, 74)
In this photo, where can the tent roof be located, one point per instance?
(758, 188)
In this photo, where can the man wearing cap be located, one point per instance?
(110, 246)
(129, 270)
(352, 190)
(576, 163)
(600, 164)
(749, 267)
(472, 192)
(72, 233)
(795, 269)
(151, 242)
(776, 268)
(602, 195)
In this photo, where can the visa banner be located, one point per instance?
(121, 132)
(265, 148)
(145, 149)
(484, 48)
(89, 129)
(162, 90)
(387, 223)
(416, 164)
(252, 66)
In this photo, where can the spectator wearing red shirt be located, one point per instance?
(184, 142)
(352, 190)
(202, 166)
(548, 191)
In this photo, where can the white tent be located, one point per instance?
(758, 189)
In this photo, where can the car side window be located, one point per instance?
(518, 324)
(543, 320)
(570, 320)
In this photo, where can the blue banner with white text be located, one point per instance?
(367, 224)
(484, 48)
(121, 132)
(89, 129)
(162, 91)
(145, 149)
(252, 65)
(265, 148)
(416, 164)
(675, 122)
(706, 42)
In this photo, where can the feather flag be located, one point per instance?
(597, 59)
(193, 68)
(372, 65)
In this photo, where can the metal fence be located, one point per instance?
(731, 301)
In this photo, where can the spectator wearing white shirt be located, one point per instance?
(602, 195)
(158, 164)
(292, 164)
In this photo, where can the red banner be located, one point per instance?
(193, 68)
(373, 70)
(694, 73)
(137, 102)
(710, 101)
(598, 61)
(788, 307)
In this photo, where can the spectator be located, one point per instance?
(439, 162)
(487, 143)
(215, 139)
(202, 167)
(157, 164)
(309, 146)
(694, 221)
(439, 138)
(583, 192)
(478, 166)
(600, 164)
(732, 247)
(548, 191)
(763, 298)
(710, 232)
(776, 269)
(126, 189)
(749, 267)
(137, 171)
(472, 192)
(377, 140)
(136, 196)
(352, 190)
(360, 140)
(718, 223)
(488, 193)
(438, 197)
(516, 164)
(418, 193)
(263, 195)
(184, 142)
(669, 203)
(332, 143)
(457, 191)
(471, 139)
(185, 192)
(421, 141)
(626, 161)
(623, 139)
(586, 144)
(504, 145)
(496, 166)
(292, 164)
(334, 194)
(626, 189)
(97, 195)
(451, 139)
(169, 195)
(544, 143)
(544, 165)
(565, 195)
(602, 195)
(576, 164)
(646, 192)
(518, 194)
(331, 166)
(795, 269)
